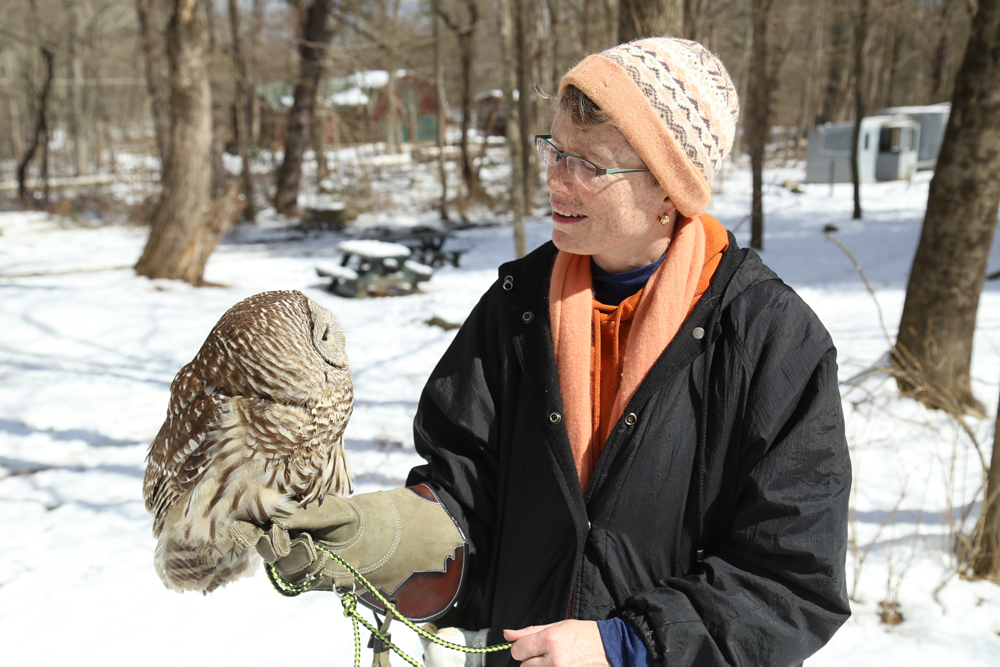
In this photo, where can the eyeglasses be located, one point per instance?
(586, 172)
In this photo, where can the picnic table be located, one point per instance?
(369, 265)
(428, 247)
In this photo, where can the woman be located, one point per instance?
(638, 430)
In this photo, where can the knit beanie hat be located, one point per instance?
(675, 104)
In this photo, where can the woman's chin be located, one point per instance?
(567, 242)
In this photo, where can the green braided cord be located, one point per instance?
(356, 618)
(350, 609)
(407, 622)
(351, 612)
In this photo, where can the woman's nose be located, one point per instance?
(557, 178)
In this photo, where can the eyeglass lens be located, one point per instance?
(549, 155)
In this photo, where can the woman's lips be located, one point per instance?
(565, 217)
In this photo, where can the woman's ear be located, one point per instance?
(667, 209)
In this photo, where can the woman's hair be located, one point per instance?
(584, 113)
(581, 110)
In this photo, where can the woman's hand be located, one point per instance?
(566, 643)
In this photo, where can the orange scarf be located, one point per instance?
(668, 297)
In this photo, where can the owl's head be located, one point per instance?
(327, 336)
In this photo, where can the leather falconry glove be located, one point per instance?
(403, 541)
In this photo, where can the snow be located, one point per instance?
(373, 248)
(88, 350)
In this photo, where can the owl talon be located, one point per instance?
(321, 497)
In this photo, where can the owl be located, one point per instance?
(254, 428)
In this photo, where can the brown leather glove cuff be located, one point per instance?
(408, 547)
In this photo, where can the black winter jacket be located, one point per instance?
(716, 518)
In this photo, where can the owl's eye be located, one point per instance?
(326, 333)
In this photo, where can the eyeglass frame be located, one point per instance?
(600, 171)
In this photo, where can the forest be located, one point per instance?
(204, 126)
(85, 81)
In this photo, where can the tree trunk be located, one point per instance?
(220, 115)
(40, 139)
(515, 145)
(442, 103)
(151, 24)
(318, 131)
(694, 19)
(939, 58)
(650, 18)
(78, 127)
(830, 111)
(316, 35)
(525, 115)
(760, 112)
(465, 34)
(15, 111)
(188, 225)
(243, 111)
(861, 34)
(986, 561)
(942, 296)
(393, 129)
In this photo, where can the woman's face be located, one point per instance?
(617, 219)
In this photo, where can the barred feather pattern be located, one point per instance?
(254, 428)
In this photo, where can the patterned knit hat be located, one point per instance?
(674, 102)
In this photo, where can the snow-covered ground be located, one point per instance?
(88, 350)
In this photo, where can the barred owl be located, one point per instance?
(254, 427)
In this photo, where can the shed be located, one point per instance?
(418, 100)
(932, 118)
(828, 155)
(353, 109)
(897, 149)
(887, 150)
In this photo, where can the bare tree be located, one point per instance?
(315, 37)
(860, 36)
(151, 30)
(760, 114)
(515, 143)
(441, 109)
(221, 122)
(465, 32)
(942, 295)
(77, 123)
(188, 224)
(838, 39)
(986, 561)
(650, 18)
(40, 137)
(243, 112)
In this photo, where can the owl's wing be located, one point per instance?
(301, 446)
(184, 445)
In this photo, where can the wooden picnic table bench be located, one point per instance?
(369, 265)
(429, 247)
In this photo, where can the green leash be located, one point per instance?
(350, 602)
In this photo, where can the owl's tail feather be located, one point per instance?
(188, 567)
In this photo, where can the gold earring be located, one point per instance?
(665, 220)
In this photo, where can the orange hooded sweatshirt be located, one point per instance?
(652, 313)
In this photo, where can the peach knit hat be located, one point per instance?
(674, 102)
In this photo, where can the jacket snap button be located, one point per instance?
(508, 283)
(528, 316)
(630, 419)
(555, 417)
(698, 333)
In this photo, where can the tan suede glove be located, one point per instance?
(403, 541)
